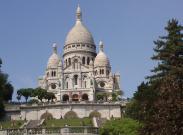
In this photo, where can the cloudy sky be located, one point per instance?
(127, 28)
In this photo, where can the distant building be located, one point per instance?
(81, 73)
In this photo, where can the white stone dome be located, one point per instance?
(54, 59)
(101, 59)
(79, 33)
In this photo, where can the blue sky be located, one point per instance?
(127, 28)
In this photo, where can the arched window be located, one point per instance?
(88, 61)
(102, 71)
(75, 97)
(69, 61)
(83, 61)
(54, 73)
(75, 79)
(66, 83)
(85, 97)
(65, 97)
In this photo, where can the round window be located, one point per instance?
(53, 86)
(102, 84)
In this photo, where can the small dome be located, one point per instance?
(79, 33)
(54, 59)
(101, 58)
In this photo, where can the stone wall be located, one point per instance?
(59, 110)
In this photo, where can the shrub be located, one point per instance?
(124, 126)
(47, 116)
(94, 114)
(70, 115)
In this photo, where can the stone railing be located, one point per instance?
(73, 102)
(52, 131)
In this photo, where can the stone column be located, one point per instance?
(80, 81)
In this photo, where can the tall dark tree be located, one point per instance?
(140, 107)
(6, 90)
(167, 119)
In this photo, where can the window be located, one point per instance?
(83, 60)
(102, 71)
(69, 61)
(53, 73)
(53, 86)
(75, 79)
(102, 84)
(88, 61)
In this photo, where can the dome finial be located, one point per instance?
(101, 46)
(54, 48)
(78, 14)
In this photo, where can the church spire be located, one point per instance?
(54, 48)
(78, 14)
(101, 46)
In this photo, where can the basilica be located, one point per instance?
(81, 73)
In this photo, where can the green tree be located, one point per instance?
(6, 90)
(40, 93)
(49, 96)
(167, 120)
(25, 92)
(140, 107)
(124, 126)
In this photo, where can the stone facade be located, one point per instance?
(81, 73)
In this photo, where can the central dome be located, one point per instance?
(79, 33)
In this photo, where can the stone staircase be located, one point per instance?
(98, 122)
(33, 123)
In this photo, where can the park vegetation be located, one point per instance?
(38, 93)
(6, 90)
(158, 102)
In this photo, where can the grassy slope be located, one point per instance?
(11, 124)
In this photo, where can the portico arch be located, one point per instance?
(75, 97)
(85, 97)
(65, 97)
